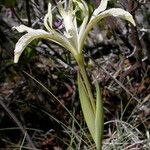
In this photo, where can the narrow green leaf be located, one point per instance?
(86, 107)
(99, 119)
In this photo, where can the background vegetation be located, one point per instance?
(116, 53)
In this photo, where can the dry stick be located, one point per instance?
(28, 13)
(37, 10)
(17, 16)
(120, 84)
(130, 70)
(17, 123)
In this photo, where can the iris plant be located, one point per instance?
(72, 38)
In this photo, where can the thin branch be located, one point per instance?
(28, 13)
(16, 15)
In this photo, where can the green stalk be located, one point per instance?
(99, 118)
(80, 62)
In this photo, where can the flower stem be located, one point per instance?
(81, 65)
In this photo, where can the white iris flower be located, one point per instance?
(74, 36)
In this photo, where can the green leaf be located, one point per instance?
(99, 118)
(86, 107)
